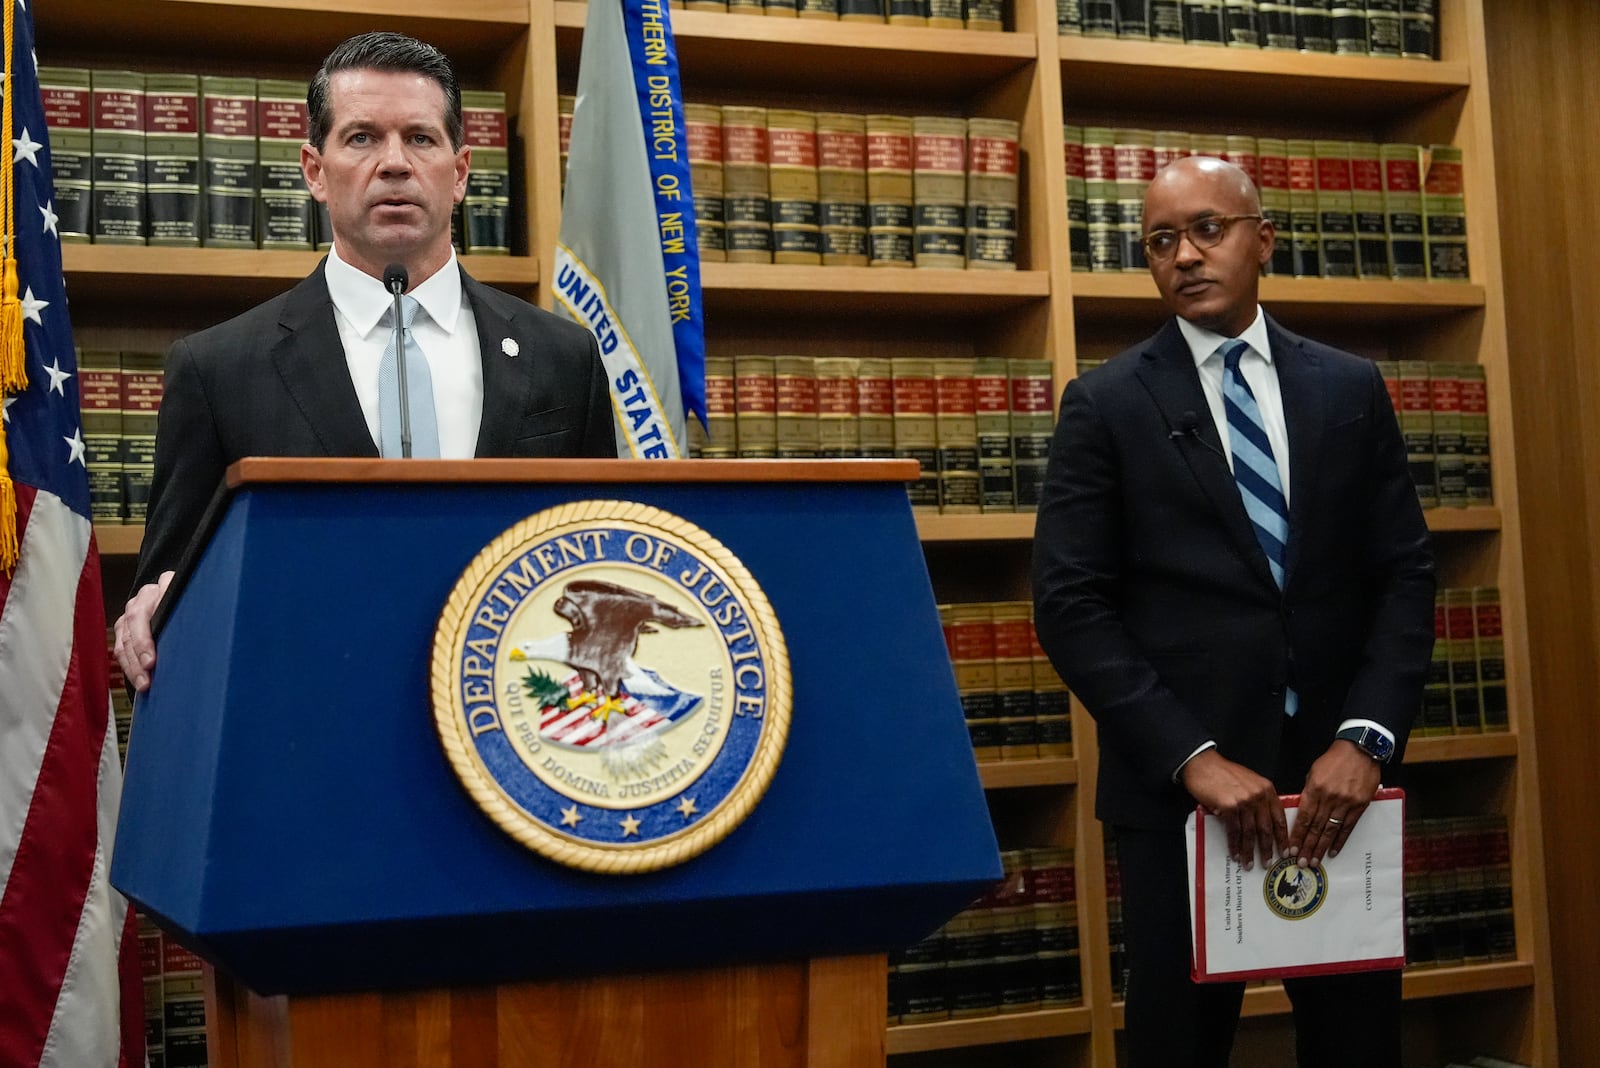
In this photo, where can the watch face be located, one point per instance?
(1378, 745)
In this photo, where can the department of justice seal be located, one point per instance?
(611, 686)
(1293, 892)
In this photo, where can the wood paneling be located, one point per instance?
(1545, 90)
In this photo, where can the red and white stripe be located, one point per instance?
(68, 952)
(578, 726)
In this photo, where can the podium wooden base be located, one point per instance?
(825, 1013)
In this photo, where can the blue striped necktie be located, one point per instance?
(1255, 469)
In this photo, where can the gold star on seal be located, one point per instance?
(686, 806)
(570, 817)
(629, 825)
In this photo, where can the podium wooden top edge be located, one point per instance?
(257, 470)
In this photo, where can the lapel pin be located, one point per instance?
(509, 346)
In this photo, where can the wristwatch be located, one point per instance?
(1372, 742)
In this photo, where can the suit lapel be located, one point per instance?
(1169, 374)
(506, 379)
(309, 357)
(1304, 413)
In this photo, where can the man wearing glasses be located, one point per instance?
(1232, 571)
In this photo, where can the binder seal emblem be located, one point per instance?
(611, 686)
(1293, 892)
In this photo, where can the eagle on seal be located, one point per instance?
(606, 621)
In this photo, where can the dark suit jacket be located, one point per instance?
(274, 382)
(1154, 600)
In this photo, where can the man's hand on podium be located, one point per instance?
(136, 646)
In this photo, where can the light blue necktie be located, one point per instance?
(419, 387)
(1256, 471)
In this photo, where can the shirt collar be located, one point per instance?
(1203, 343)
(363, 300)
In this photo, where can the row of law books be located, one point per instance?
(980, 427)
(780, 185)
(1014, 950)
(1458, 891)
(939, 14)
(1398, 28)
(120, 394)
(1016, 706)
(1466, 688)
(186, 160)
(1443, 410)
(1341, 209)
(174, 1000)
(1444, 418)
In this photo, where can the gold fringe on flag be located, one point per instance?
(13, 374)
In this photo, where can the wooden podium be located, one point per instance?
(290, 814)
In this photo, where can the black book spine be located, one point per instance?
(1166, 20)
(1313, 25)
(1133, 19)
(1202, 22)
(1242, 24)
(1418, 36)
(1383, 27)
(1277, 25)
(1349, 22)
(1099, 18)
(861, 9)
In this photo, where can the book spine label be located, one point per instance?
(68, 106)
(1099, 18)
(1077, 199)
(1402, 205)
(1103, 206)
(756, 400)
(486, 208)
(875, 406)
(172, 159)
(1475, 434)
(946, 14)
(283, 124)
(793, 182)
(838, 421)
(986, 16)
(746, 192)
(117, 144)
(1449, 458)
(1313, 25)
(142, 385)
(704, 136)
(1383, 27)
(1488, 631)
(1416, 427)
(915, 433)
(100, 395)
(956, 435)
(1133, 19)
(992, 417)
(1135, 162)
(1372, 234)
(1349, 28)
(1031, 427)
(1418, 29)
(939, 178)
(1069, 17)
(795, 381)
(228, 161)
(993, 159)
(722, 430)
(1336, 223)
(1444, 210)
(1272, 157)
(1277, 25)
(889, 190)
(1305, 241)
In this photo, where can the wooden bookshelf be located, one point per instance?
(988, 1030)
(144, 298)
(1011, 774)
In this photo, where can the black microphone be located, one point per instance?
(395, 279)
(1189, 427)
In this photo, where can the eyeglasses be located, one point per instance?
(1203, 233)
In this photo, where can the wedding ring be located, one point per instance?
(1336, 823)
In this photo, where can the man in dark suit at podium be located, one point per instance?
(312, 372)
(1232, 571)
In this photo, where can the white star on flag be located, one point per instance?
(32, 307)
(25, 146)
(75, 448)
(57, 377)
(48, 210)
(5, 410)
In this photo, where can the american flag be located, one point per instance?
(69, 983)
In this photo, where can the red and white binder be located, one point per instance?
(1287, 921)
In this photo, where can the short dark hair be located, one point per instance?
(387, 52)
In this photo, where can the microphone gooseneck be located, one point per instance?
(395, 279)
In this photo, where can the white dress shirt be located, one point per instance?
(445, 332)
(1262, 376)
